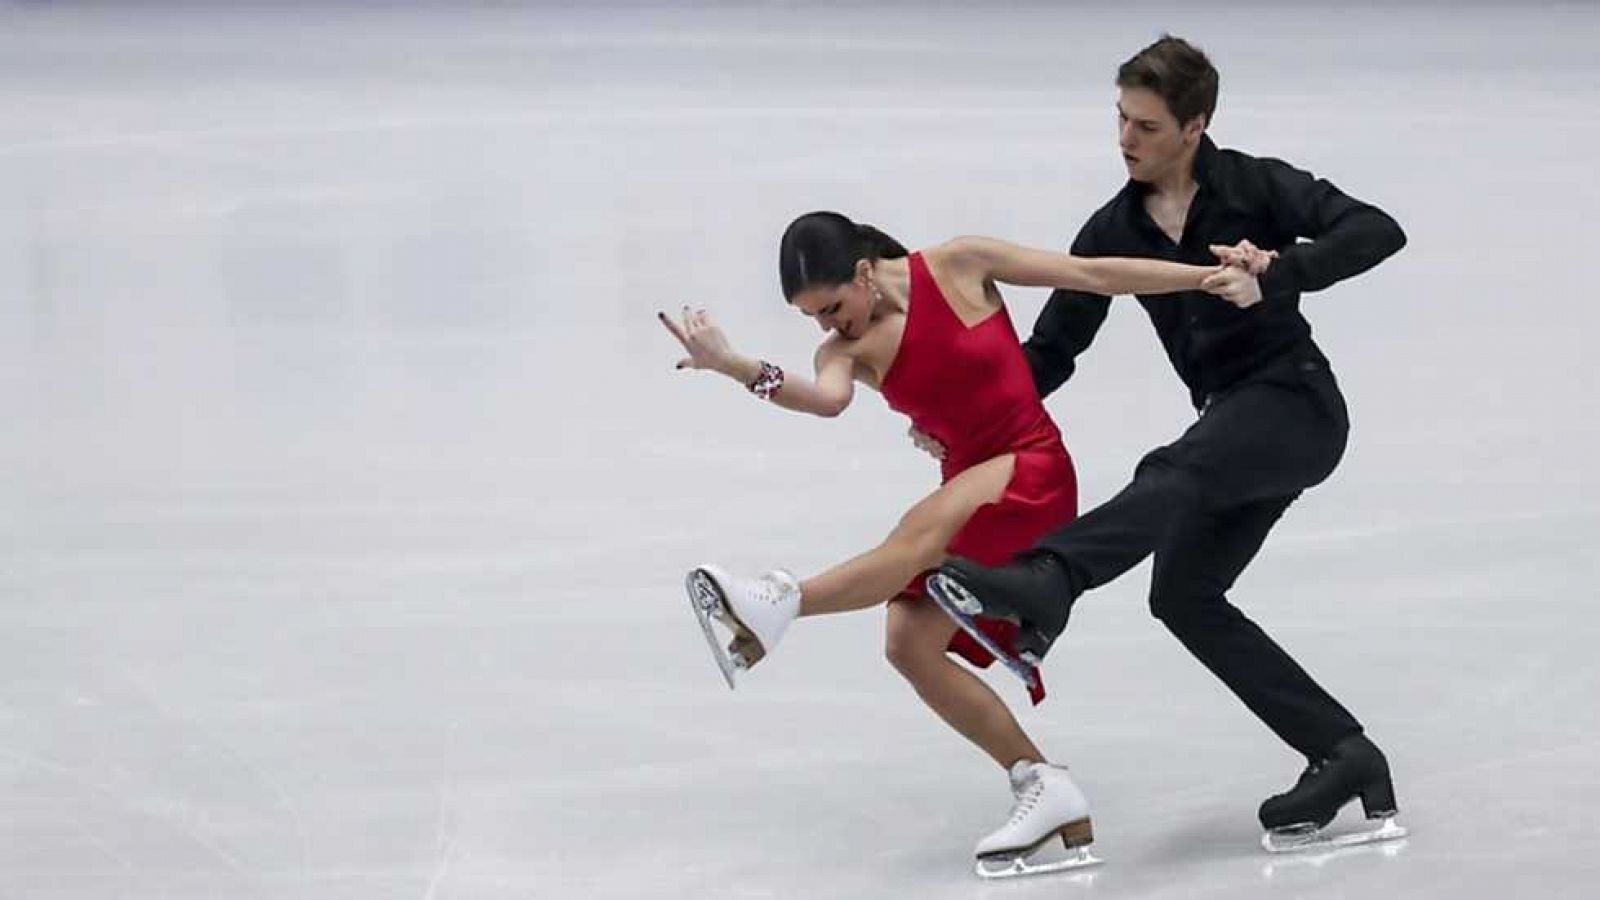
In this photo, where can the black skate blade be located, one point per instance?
(955, 595)
(940, 589)
(1308, 837)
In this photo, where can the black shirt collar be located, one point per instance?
(1205, 157)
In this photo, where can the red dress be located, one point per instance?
(971, 389)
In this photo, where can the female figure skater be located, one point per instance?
(929, 331)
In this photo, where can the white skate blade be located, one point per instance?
(1019, 865)
(954, 600)
(708, 605)
(1297, 839)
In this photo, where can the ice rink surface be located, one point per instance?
(346, 485)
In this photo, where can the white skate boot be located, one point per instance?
(1048, 804)
(756, 611)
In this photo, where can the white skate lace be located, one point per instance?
(771, 588)
(1027, 800)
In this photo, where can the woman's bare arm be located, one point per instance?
(1003, 261)
(827, 394)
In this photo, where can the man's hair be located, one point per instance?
(1177, 72)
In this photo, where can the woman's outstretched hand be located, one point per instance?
(707, 346)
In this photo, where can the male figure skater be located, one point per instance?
(1272, 423)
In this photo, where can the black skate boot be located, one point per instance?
(1355, 767)
(1035, 591)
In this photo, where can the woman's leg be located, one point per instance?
(917, 635)
(917, 544)
(917, 632)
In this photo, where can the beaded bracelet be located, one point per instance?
(768, 380)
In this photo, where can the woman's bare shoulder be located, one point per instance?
(835, 346)
(960, 258)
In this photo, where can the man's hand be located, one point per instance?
(1234, 285)
(1244, 255)
(1239, 282)
(926, 443)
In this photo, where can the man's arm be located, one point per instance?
(1065, 327)
(1346, 236)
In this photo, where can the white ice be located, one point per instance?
(346, 485)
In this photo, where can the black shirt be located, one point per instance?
(1212, 343)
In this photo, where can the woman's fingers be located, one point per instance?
(686, 332)
(676, 329)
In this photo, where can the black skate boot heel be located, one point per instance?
(1355, 767)
(1377, 798)
(1032, 644)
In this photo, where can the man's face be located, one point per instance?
(1152, 141)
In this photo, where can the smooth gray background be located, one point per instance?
(346, 484)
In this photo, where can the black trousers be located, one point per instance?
(1203, 505)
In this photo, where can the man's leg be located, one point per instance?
(1193, 572)
(1262, 440)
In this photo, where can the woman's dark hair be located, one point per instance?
(821, 249)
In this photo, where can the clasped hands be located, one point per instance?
(1238, 281)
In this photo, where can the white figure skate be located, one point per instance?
(1048, 804)
(755, 612)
